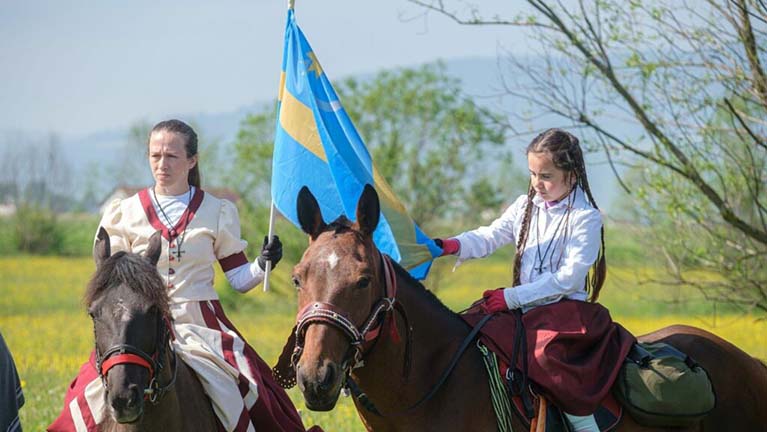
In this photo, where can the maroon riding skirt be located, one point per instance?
(574, 350)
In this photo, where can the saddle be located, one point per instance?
(540, 415)
(574, 356)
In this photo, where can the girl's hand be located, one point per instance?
(494, 301)
(449, 246)
(499, 300)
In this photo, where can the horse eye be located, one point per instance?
(363, 282)
(296, 282)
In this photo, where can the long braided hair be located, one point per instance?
(566, 154)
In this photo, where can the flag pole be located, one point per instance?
(268, 269)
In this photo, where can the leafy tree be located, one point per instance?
(677, 88)
(431, 142)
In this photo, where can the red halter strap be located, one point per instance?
(125, 359)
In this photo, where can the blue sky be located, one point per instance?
(76, 67)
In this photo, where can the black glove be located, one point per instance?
(270, 251)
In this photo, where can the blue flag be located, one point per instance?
(316, 145)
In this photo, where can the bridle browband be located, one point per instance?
(129, 354)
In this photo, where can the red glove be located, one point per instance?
(494, 301)
(449, 246)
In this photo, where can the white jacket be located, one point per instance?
(566, 259)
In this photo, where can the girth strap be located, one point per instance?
(518, 381)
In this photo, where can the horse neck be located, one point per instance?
(437, 333)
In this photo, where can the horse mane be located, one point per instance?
(432, 298)
(134, 271)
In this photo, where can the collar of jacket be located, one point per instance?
(577, 197)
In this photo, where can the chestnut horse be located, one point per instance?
(345, 328)
(147, 387)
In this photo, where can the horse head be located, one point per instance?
(340, 283)
(128, 303)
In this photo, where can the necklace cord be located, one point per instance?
(171, 226)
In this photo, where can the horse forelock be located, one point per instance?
(342, 225)
(133, 271)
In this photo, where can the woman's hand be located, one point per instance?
(270, 251)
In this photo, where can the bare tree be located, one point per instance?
(688, 77)
(35, 171)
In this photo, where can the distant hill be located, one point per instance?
(479, 77)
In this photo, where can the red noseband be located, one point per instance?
(126, 359)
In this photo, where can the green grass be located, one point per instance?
(50, 335)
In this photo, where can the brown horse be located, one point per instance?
(343, 329)
(147, 387)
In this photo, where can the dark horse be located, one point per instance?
(340, 283)
(146, 386)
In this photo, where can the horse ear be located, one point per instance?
(101, 249)
(154, 250)
(309, 214)
(368, 210)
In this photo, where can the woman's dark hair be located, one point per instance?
(566, 154)
(190, 144)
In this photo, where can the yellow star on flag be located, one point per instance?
(315, 64)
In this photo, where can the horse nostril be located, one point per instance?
(134, 396)
(330, 377)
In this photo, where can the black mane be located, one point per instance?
(132, 270)
(432, 298)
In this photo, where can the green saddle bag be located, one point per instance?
(661, 386)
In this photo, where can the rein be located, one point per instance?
(129, 354)
(368, 404)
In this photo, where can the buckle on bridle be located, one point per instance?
(152, 392)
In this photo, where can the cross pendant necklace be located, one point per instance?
(172, 233)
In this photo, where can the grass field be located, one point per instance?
(50, 335)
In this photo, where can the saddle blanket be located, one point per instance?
(574, 350)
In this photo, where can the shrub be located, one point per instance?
(36, 231)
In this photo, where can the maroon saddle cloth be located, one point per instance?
(574, 350)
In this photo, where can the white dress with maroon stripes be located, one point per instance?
(207, 232)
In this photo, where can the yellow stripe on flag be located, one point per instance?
(297, 120)
(282, 86)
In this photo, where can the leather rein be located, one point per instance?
(129, 354)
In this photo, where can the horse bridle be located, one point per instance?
(129, 354)
(326, 313)
(369, 332)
